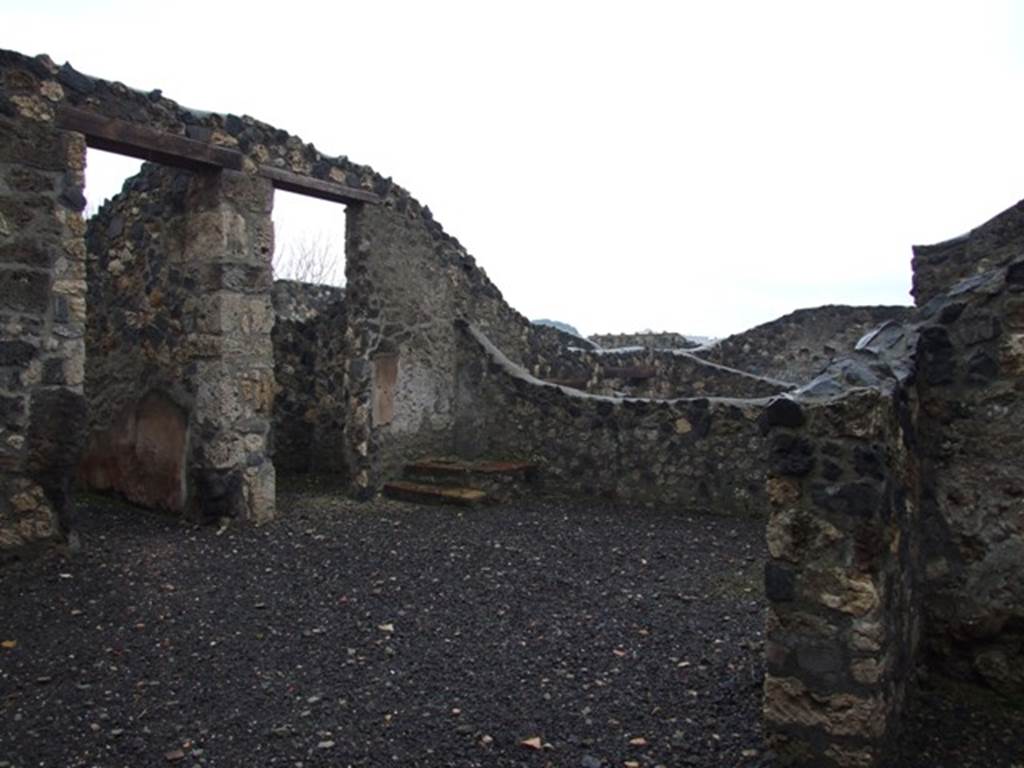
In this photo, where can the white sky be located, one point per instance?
(698, 167)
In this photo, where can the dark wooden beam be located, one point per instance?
(147, 143)
(325, 190)
(177, 151)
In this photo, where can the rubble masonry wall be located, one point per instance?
(179, 374)
(843, 623)
(970, 380)
(694, 453)
(986, 247)
(309, 368)
(798, 346)
(654, 373)
(42, 321)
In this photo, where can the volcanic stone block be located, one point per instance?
(24, 291)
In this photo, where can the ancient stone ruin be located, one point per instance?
(150, 353)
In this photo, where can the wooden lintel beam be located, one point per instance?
(325, 190)
(147, 143)
(177, 151)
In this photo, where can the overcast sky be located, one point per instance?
(698, 167)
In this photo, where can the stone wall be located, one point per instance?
(42, 319)
(227, 241)
(400, 309)
(309, 406)
(694, 453)
(798, 346)
(843, 624)
(647, 339)
(970, 371)
(141, 309)
(386, 315)
(653, 373)
(407, 282)
(178, 373)
(993, 244)
(140, 354)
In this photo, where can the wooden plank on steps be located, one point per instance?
(433, 494)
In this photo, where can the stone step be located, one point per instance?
(427, 493)
(500, 480)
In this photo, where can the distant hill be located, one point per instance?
(564, 327)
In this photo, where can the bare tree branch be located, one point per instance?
(312, 258)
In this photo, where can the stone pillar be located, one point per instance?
(842, 626)
(228, 244)
(362, 337)
(42, 322)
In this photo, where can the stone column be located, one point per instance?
(42, 320)
(362, 336)
(228, 245)
(842, 626)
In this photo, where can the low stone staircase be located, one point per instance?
(462, 482)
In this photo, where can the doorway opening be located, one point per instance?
(309, 335)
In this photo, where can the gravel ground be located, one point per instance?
(388, 634)
(527, 634)
(962, 726)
